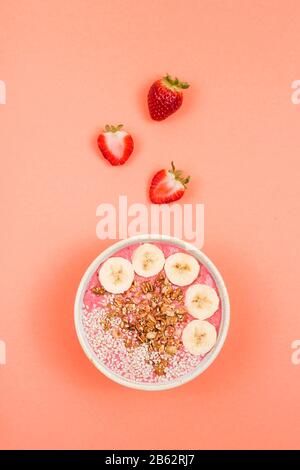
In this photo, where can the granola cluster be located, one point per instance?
(151, 313)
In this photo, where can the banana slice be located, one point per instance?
(148, 260)
(201, 301)
(116, 275)
(199, 337)
(181, 269)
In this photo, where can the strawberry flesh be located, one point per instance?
(115, 145)
(167, 186)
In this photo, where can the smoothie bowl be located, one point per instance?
(152, 312)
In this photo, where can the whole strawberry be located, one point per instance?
(116, 145)
(165, 97)
(167, 186)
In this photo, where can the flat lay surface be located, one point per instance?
(72, 67)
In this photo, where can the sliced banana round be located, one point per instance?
(199, 337)
(148, 260)
(116, 275)
(201, 301)
(181, 269)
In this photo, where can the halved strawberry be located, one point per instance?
(165, 97)
(167, 186)
(115, 144)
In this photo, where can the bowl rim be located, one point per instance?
(203, 259)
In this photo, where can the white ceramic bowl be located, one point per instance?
(207, 360)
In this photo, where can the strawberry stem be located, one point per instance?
(111, 128)
(178, 175)
(174, 84)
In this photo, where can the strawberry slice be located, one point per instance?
(115, 144)
(167, 186)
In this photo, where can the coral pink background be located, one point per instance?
(71, 67)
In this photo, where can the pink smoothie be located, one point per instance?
(134, 364)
